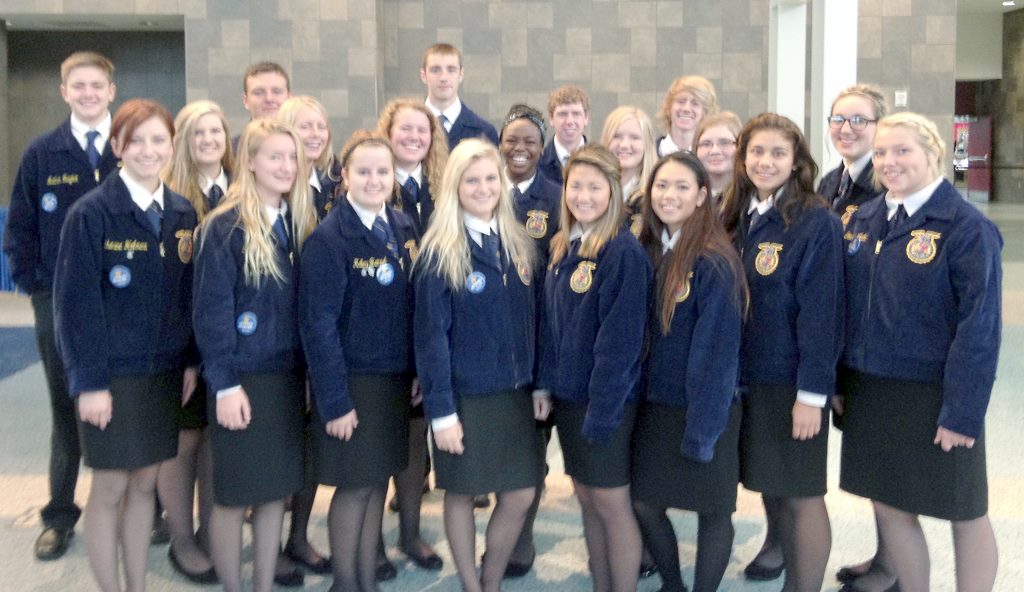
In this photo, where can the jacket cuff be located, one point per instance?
(81, 380)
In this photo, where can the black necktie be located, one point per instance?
(844, 185)
(281, 230)
(413, 188)
(517, 196)
(755, 217)
(492, 246)
(90, 148)
(213, 198)
(897, 219)
(155, 215)
(382, 230)
(447, 125)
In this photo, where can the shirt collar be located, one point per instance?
(762, 207)
(913, 202)
(525, 185)
(140, 195)
(314, 180)
(629, 187)
(417, 173)
(477, 227)
(367, 216)
(272, 213)
(452, 112)
(856, 167)
(669, 242)
(577, 232)
(564, 153)
(667, 146)
(221, 180)
(79, 128)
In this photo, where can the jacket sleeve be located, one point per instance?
(79, 317)
(431, 329)
(819, 299)
(713, 361)
(21, 237)
(324, 282)
(976, 276)
(622, 317)
(213, 304)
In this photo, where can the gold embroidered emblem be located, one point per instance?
(328, 206)
(184, 245)
(583, 276)
(848, 214)
(635, 225)
(537, 223)
(922, 248)
(682, 291)
(767, 260)
(413, 249)
(524, 271)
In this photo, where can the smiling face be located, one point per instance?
(686, 112)
(587, 194)
(521, 146)
(274, 167)
(627, 144)
(769, 161)
(716, 150)
(146, 152)
(264, 94)
(480, 189)
(850, 143)
(410, 135)
(313, 132)
(676, 194)
(369, 176)
(442, 74)
(89, 93)
(569, 121)
(208, 142)
(902, 163)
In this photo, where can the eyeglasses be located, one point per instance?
(721, 144)
(856, 122)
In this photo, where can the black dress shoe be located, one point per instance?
(161, 533)
(481, 501)
(849, 573)
(647, 570)
(430, 562)
(292, 578)
(386, 571)
(517, 570)
(323, 566)
(393, 504)
(53, 543)
(850, 587)
(206, 577)
(759, 573)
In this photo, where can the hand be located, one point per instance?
(416, 393)
(343, 427)
(948, 439)
(541, 407)
(837, 405)
(806, 421)
(188, 384)
(96, 407)
(233, 411)
(450, 439)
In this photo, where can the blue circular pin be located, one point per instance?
(48, 202)
(854, 246)
(385, 274)
(476, 282)
(120, 276)
(246, 323)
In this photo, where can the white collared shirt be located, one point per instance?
(477, 228)
(525, 185)
(629, 187)
(273, 212)
(79, 129)
(667, 146)
(221, 181)
(669, 242)
(366, 216)
(314, 180)
(762, 206)
(913, 202)
(140, 195)
(563, 153)
(856, 167)
(451, 113)
(417, 173)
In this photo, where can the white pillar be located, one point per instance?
(787, 41)
(833, 68)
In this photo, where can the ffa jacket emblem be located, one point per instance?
(921, 249)
(767, 260)
(524, 271)
(847, 215)
(682, 291)
(582, 277)
(412, 249)
(184, 245)
(537, 223)
(636, 224)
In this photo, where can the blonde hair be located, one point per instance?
(358, 139)
(698, 86)
(445, 245)
(567, 94)
(869, 92)
(612, 123)
(86, 58)
(259, 251)
(289, 113)
(726, 119)
(437, 154)
(182, 173)
(926, 135)
(610, 223)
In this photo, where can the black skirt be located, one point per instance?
(888, 455)
(379, 447)
(263, 462)
(503, 450)
(595, 465)
(663, 476)
(771, 461)
(193, 415)
(143, 428)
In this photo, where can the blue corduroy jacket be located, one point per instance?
(924, 304)
(355, 305)
(470, 125)
(594, 323)
(540, 210)
(861, 190)
(122, 296)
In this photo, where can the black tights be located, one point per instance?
(409, 489)
(503, 530)
(806, 537)
(715, 535)
(354, 528)
(226, 544)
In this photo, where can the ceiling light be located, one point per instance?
(1009, 3)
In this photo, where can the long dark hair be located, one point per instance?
(702, 234)
(798, 191)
